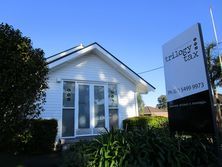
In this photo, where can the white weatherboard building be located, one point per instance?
(90, 89)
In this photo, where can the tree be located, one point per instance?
(215, 75)
(162, 102)
(214, 66)
(140, 104)
(23, 76)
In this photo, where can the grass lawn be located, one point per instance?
(47, 160)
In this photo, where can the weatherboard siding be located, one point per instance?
(90, 68)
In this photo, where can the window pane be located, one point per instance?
(84, 117)
(68, 94)
(99, 106)
(67, 122)
(113, 118)
(113, 100)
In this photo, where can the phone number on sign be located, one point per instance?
(186, 88)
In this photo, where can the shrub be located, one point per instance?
(142, 147)
(43, 134)
(23, 77)
(150, 147)
(199, 149)
(143, 122)
(146, 142)
(109, 149)
(76, 155)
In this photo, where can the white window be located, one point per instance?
(68, 109)
(99, 106)
(84, 107)
(113, 106)
(88, 108)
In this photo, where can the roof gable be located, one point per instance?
(75, 52)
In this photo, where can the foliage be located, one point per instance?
(39, 138)
(143, 147)
(23, 83)
(214, 66)
(162, 102)
(141, 104)
(143, 122)
(151, 147)
(43, 134)
(109, 149)
(149, 144)
(199, 149)
(77, 155)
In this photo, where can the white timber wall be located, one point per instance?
(88, 68)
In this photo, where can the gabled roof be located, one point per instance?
(80, 50)
(60, 55)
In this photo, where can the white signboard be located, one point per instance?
(184, 65)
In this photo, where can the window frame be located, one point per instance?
(85, 84)
(114, 107)
(73, 108)
(91, 84)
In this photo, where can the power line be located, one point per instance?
(162, 66)
(151, 70)
(220, 42)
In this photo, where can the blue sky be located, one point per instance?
(133, 31)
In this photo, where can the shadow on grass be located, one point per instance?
(47, 160)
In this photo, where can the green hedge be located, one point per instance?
(144, 121)
(43, 134)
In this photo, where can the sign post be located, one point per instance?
(188, 89)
